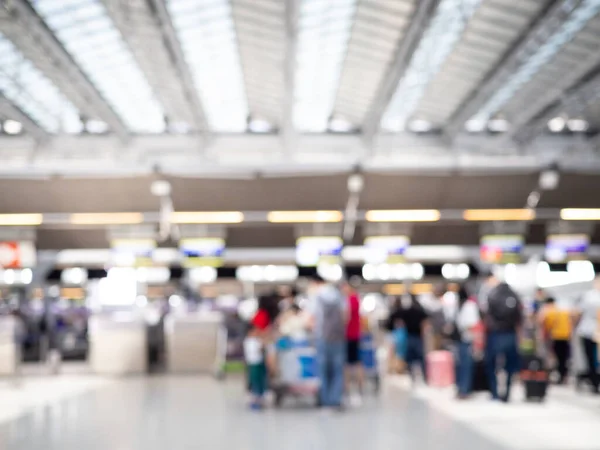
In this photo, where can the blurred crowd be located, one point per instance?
(459, 335)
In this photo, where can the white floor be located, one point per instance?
(565, 421)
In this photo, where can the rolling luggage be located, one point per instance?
(480, 377)
(535, 378)
(440, 369)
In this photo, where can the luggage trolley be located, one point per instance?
(297, 370)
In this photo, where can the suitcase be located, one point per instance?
(480, 377)
(534, 376)
(440, 369)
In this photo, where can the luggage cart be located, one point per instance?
(368, 358)
(296, 371)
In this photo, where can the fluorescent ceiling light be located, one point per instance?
(415, 215)
(208, 39)
(576, 21)
(447, 26)
(580, 214)
(29, 89)
(340, 125)
(498, 125)
(420, 126)
(96, 126)
(500, 215)
(475, 126)
(85, 30)
(207, 217)
(578, 125)
(106, 218)
(21, 219)
(324, 29)
(260, 126)
(12, 127)
(557, 125)
(305, 216)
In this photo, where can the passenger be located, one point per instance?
(354, 371)
(556, 324)
(415, 319)
(587, 327)
(467, 318)
(503, 318)
(255, 363)
(329, 312)
(437, 316)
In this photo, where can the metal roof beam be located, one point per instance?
(10, 111)
(572, 103)
(288, 133)
(178, 58)
(546, 26)
(83, 94)
(418, 25)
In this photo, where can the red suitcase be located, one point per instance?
(440, 369)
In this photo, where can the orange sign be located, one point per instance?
(9, 255)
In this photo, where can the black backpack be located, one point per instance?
(504, 308)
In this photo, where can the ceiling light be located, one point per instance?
(578, 125)
(260, 126)
(498, 125)
(500, 215)
(21, 219)
(475, 125)
(96, 127)
(549, 179)
(106, 218)
(420, 126)
(207, 217)
(305, 216)
(580, 214)
(557, 125)
(415, 215)
(12, 127)
(340, 125)
(160, 188)
(179, 127)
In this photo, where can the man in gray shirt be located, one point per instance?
(329, 309)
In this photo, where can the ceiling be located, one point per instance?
(257, 105)
(204, 86)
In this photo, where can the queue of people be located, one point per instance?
(481, 331)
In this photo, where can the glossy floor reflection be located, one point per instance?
(193, 413)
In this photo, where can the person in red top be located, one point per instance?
(354, 371)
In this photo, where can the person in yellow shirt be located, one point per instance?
(558, 326)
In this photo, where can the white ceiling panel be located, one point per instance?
(89, 35)
(208, 38)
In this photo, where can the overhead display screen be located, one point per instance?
(132, 252)
(199, 252)
(314, 250)
(501, 248)
(567, 247)
(386, 249)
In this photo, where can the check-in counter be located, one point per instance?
(10, 352)
(118, 344)
(195, 343)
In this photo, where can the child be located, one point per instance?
(257, 370)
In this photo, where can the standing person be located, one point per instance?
(415, 319)
(330, 333)
(467, 317)
(503, 320)
(587, 327)
(354, 371)
(557, 325)
(255, 363)
(438, 316)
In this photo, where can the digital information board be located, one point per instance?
(501, 248)
(198, 252)
(312, 251)
(386, 249)
(566, 247)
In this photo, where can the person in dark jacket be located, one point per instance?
(503, 318)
